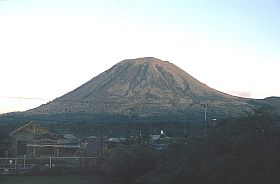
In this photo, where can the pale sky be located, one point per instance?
(50, 47)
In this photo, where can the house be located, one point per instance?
(160, 142)
(33, 140)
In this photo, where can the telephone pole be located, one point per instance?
(34, 134)
(205, 115)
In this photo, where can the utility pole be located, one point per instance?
(205, 115)
(34, 134)
(102, 136)
(83, 129)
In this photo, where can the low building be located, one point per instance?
(160, 141)
(33, 140)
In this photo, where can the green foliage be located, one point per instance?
(239, 150)
(129, 161)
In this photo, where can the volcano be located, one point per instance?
(144, 87)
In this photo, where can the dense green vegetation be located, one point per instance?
(236, 150)
(19, 117)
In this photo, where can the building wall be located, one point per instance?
(19, 139)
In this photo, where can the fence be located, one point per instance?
(25, 165)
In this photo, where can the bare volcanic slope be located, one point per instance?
(145, 87)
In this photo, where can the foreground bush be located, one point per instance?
(129, 162)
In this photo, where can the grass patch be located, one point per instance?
(56, 180)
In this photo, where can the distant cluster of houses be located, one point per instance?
(33, 140)
(33, 145)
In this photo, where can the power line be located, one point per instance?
(24, 98)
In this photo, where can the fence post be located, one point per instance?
(24, 161)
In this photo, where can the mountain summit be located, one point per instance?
(145, 87)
